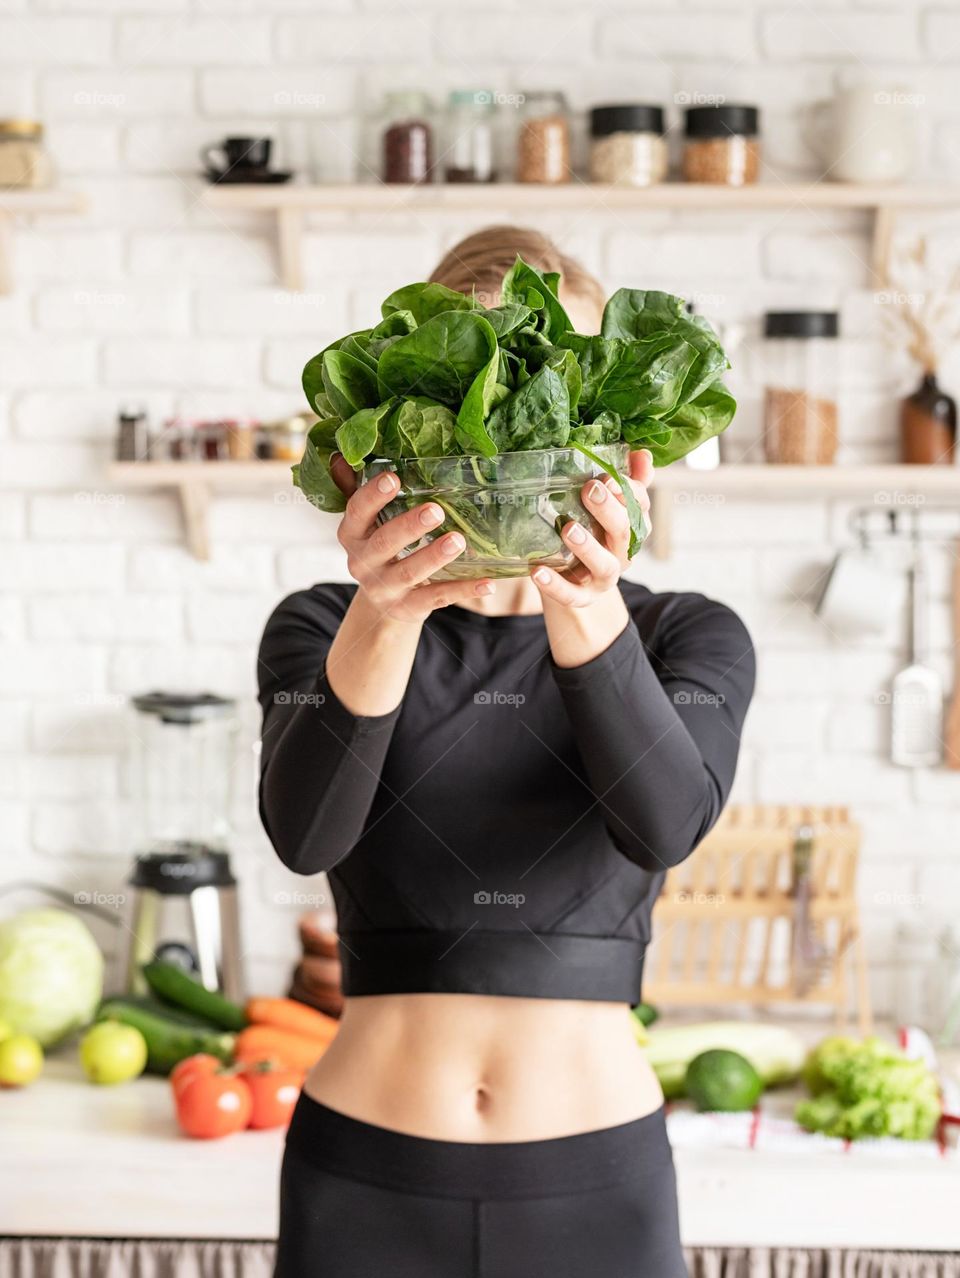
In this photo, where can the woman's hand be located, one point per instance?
(600, 564)
(394, 588)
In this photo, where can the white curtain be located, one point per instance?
(162, 1258)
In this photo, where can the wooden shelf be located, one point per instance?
(197, 482)
(20, 203)
(289, 205)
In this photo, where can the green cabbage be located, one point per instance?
(51, 974)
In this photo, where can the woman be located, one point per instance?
(495, 776)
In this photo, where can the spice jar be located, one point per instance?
(928, 425)
(212, 441)
(543, 144)
(23, 160)
(722, 145)
(240, 440)
(407, 138)
(800, 400)
(469, 137)
(627, 146)
(288, 439)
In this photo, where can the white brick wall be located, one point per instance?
(153, 297)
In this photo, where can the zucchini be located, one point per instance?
(170, 1036)
(774, 1051)
(173, 985)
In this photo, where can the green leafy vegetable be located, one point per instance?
(442, 378)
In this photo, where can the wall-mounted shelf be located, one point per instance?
(196, 482)
(25, 203)
(289, 205)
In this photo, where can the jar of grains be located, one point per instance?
(543, 145)
(406, 138)
(627, 146)
(23, 160)
(800, 398)
(722, 144)
(469, 136)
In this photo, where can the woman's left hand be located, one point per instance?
(600, 563)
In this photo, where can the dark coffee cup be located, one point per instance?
(238, 155)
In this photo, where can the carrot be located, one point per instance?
(288, 1014)
(267, 1043)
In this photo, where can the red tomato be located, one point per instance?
(213, 1105)
(192, 1067)
(275, 1092)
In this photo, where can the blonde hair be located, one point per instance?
(479, 263)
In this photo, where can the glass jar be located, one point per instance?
(722, 145)
(627, 145)
(800, 397)
(543, 144)
(23, 160)
(240, 440)
(406, 138)
(288, 439)
(180, 438)
(469, 137)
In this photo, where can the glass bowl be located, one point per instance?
(510, 508)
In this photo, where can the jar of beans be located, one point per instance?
(800, 398)
(406, 138)
(543, 144)
(722, 144)
(627, 146)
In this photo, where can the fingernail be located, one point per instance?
(432, 515)
(576, 534)
(598, 492)
(542, 575)
(453, 542)
(385, 483)
(486, 588)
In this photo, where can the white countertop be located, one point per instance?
(83, 1161)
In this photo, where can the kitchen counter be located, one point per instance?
(82, 1161)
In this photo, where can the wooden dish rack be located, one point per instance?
(764, 912)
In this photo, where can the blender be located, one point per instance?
(182, 904)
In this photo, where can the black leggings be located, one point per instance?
(358, 1201)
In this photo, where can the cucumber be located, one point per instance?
(173, 985)
(170, 1036)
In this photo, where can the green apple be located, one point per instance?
(21, 1060)
(113, 1053)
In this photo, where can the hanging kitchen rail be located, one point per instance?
(871, 524)
(15, 204)
(290, 205)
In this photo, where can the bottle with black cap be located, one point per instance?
(800, 360)
(627, 145)
(722, 144)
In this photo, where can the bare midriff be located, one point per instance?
(481, 1068)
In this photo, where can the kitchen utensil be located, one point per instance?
(951, 734)
(232, 155)
(917, 693)
(864, 134)
(182, 904)
(856, 596)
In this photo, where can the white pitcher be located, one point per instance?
(865, 133)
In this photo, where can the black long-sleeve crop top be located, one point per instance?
(506, 829)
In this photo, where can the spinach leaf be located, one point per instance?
(707, 415)
(439, 359)
(419, 428)
(638, 525)
(350, 384)
(633, 312)
(535, 416)
(527, 287)
(505, 320)
(312, 473)
(357, 436)
(424, 301)
(485, 389)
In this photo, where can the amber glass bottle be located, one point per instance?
(928, 425)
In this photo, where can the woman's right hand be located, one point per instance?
(399, 589)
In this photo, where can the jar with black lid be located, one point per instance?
(800, 425)
(722, 144)
(627, 145)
